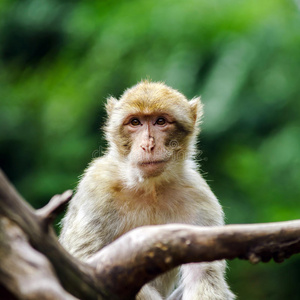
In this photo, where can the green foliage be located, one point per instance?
(59, 60)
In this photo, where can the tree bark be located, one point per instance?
(33, 265)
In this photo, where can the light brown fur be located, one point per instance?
(148, 177)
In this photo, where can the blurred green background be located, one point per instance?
(59, 60)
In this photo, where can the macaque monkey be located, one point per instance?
(148, 177)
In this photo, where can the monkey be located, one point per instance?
(148, 176)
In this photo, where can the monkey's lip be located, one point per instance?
(152, 162)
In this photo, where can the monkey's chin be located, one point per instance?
(152, 168)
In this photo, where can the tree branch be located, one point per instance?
(151, 250)
(120, 269)
(32, 277)
(76, 277)
(48, 213)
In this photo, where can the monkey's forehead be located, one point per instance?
(149, 97)
(152, 105)
(174, 108)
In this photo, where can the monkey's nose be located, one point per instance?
(148, 145)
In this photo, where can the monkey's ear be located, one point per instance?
(110, 104)
(196, 109)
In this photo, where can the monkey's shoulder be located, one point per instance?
(194, 178)
(102, 168)
(98, 178)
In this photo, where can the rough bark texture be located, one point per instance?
(33, 265)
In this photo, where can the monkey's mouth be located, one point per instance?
(152, 163)
(152, 167)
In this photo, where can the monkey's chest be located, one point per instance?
(161, 208)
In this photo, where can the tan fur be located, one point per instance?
(148, 177)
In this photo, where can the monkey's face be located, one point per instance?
(150, 138)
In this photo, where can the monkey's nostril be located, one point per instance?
(148, 147)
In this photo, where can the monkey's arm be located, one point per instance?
(88, 224)
(205, 281)
(82, 232)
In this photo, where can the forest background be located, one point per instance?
(60, 60)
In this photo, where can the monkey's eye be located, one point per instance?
(135, 122)
(160, 121)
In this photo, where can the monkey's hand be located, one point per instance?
(148, 293)
(205, 281)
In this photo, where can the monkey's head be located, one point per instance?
(152, 127)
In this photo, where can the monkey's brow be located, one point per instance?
(146, 115)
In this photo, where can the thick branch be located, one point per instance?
(149, 251)
(76, 277)
(25, 272)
